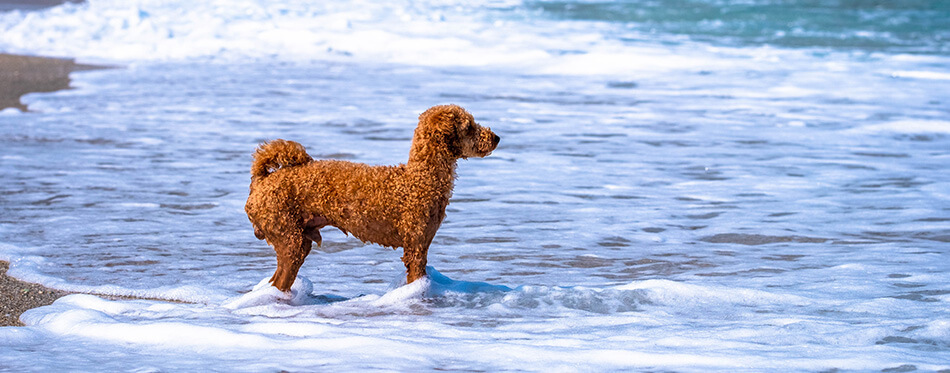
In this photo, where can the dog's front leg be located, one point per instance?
(414, 257)
(418, 237)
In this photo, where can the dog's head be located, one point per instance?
(454, 127)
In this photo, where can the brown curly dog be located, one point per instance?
(293, 196)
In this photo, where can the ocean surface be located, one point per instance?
(686, 185)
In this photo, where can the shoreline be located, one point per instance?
(20, 75)
(19, 296)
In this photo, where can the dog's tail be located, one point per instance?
(274, 155)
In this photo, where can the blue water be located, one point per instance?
(683, 186)
(886, 26)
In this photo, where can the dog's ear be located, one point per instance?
(444, 118)
(465, 124)
(449, 122)
(460, 120)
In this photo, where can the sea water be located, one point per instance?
(689, 185)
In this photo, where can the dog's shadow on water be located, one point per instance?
(323, 299)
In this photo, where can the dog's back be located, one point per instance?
(359, 199)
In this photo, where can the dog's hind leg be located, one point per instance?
(291, 253)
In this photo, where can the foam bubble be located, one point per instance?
(930, 75)
(936, 330)
(10, 111)
(907, 126)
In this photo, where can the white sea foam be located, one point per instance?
(462, 34)
(385, 332)
(148, 30)
(264, 293)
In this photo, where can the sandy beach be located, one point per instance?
(20, 75)
(19, 296)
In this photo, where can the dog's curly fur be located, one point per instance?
(293, 196)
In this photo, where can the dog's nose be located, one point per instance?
(494, 140)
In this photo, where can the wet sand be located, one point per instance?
(20, 75)
(18, 296)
